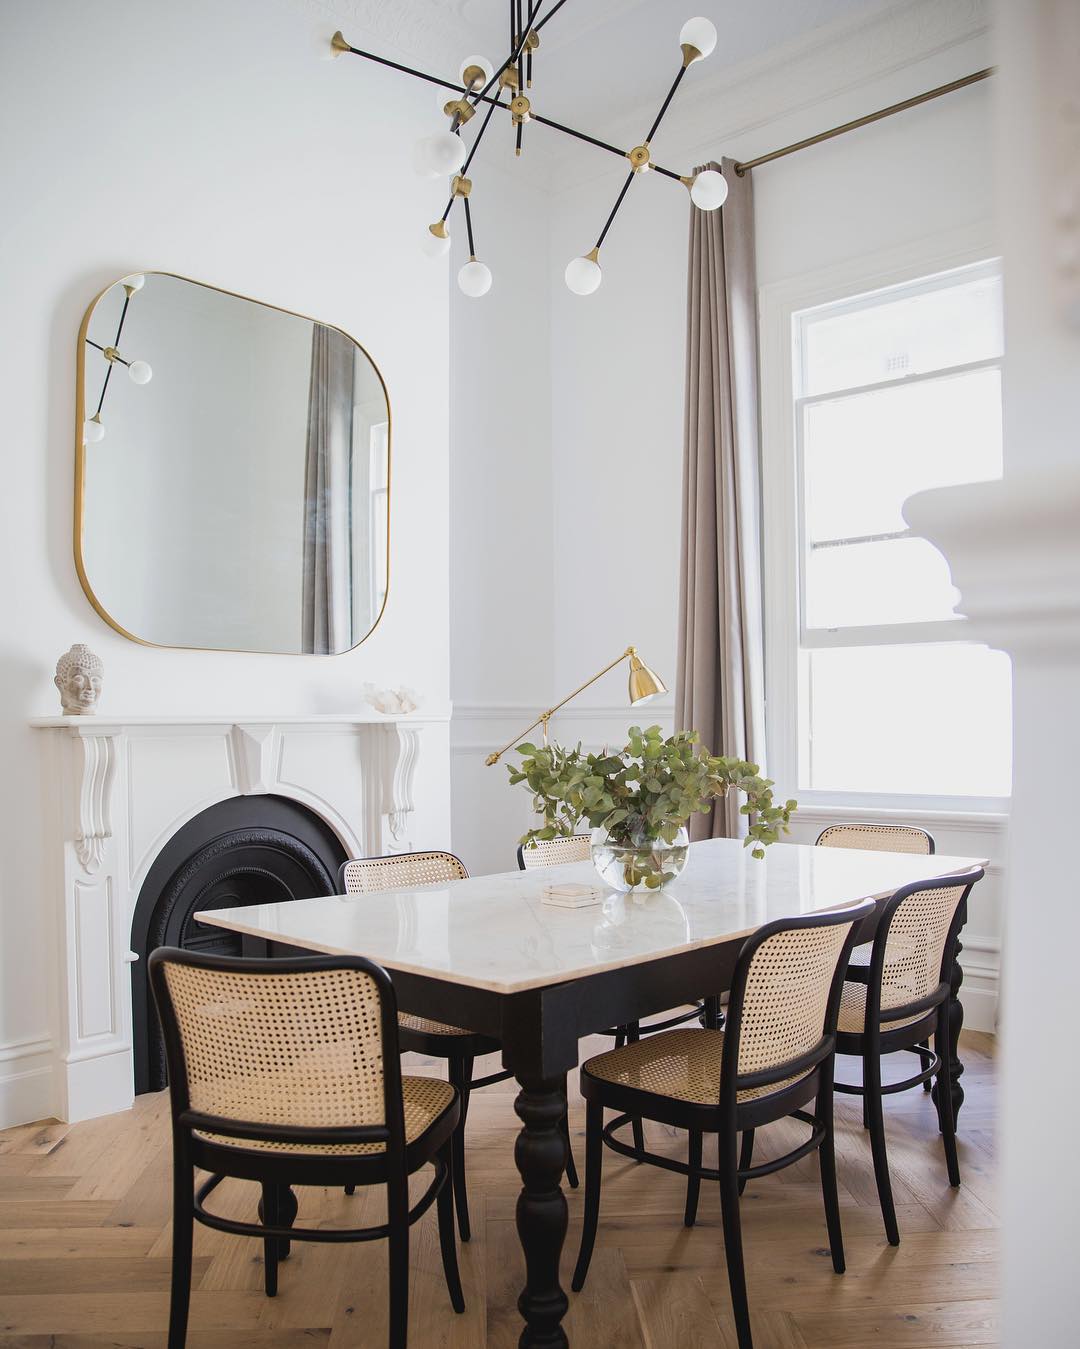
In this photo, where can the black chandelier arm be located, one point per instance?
(98, 347)
(516, 48)
(614, 210)
(498, 103)
(115, 344)
(468, 226)
(666, 103)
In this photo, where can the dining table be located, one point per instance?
(493, 954)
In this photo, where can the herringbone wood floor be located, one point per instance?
(84, 1245)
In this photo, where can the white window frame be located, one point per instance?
(783, 544)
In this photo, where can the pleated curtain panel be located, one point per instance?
(720, 683)
(327, 604)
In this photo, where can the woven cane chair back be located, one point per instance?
(786, 999)
(401, 871)
(904, 838)
(551, 852)
(299, 1048)
(915, 946)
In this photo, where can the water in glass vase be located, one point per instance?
(626, 863)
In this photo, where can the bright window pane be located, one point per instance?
(894, 581)
(895, 333)
(914, 720)
(864, 454)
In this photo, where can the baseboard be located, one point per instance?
(27, 1085)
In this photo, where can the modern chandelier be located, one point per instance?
(449, 154)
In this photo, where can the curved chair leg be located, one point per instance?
(633, 1035)
(594, 1161)
(946, 1118)
(183, 1226)
(268, 1212)
(693, 1180)
(827, 1163)
(397, 1208)
(746, 1156)
(460, 1073)
(873, 1101)
(729, 1207)
(571, 1165)
(447, 1235)
(927, 1086)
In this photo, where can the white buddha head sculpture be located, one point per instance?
(78, 677)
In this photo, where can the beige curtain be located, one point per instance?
(720, 684)
(327, 604)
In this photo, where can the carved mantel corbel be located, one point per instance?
(93, 816)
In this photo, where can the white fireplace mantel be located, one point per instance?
(119, 788)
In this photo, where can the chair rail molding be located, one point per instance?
(120, 789)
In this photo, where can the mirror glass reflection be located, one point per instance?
(234, 472)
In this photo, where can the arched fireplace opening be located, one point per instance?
(246, 850)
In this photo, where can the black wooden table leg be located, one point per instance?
(540, 1154)
(956, 1025)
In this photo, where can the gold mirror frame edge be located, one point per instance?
(80, 470)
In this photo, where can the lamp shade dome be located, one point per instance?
(644, 683)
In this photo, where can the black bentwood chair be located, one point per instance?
(286, 1072)
(437, 1039)
(905, 997)
(774, 1056)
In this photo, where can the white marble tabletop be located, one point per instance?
(495, 932)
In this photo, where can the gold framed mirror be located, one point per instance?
(232, 472)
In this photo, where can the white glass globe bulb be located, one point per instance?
(698, 33)
(422, 165)
(435, 245)
(474, 279)
(709, 190)
(445, 153)
(93, 431)
(140, 372)
(483, 63)
(135, 282)
(583, 275)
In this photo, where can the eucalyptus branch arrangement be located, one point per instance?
(643, 794)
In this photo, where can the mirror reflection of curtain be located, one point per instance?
(327, 610)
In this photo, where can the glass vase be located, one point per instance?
(626, 863)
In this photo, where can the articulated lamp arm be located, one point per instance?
(643, 685)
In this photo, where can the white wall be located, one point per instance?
(211, 140)
(617, 360)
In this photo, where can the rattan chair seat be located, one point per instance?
(852, 1019)
(681, 1064)
(424, 1098)
(425, 1025)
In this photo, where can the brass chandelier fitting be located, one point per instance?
(479, 82)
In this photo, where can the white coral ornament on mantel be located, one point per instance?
(391, 702)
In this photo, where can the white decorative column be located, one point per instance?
(122, 787)
(1014, 551)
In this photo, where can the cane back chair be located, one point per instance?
(773, 1057)
(904, 998)
(437, 1039)
(287, 1072)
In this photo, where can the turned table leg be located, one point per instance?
(540, 1154)
(956, 1025)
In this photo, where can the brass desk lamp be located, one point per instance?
(644, 684)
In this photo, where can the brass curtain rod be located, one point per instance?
(740, 169)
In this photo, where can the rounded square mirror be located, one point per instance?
(232, 472)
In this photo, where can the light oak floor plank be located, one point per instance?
(85, 1238)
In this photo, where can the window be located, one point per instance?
(894, 392)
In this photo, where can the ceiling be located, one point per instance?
(600, 60)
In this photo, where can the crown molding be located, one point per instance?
(720, 113)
